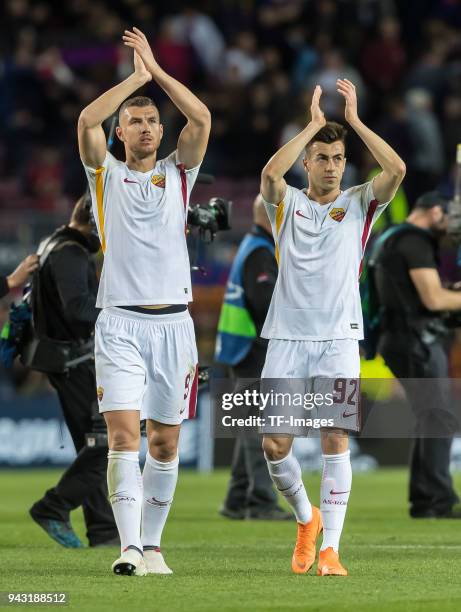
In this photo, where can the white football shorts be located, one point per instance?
(312, 359)
(148, 363)
(330, 368)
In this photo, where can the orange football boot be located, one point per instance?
(305, 552)
(329, 564)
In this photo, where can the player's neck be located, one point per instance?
(141, 165)
(322, 197)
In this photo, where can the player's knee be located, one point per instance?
(274, 449)
(334, 441)
(124, 440)
(163, 450)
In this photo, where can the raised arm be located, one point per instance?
(273, 185)
(194, 136)
(91, 137)
(386, 183)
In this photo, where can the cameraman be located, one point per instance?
(411, 298)
(19, 276)
(67, 295)
(248, 293)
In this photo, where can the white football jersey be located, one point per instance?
(319, 248)
(141, 221)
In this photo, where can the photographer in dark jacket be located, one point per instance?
(411, 296)
(248, 295)
(68, 287)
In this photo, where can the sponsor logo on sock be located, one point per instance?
(339, 492)
(156, 502)
(334, 502)
(120, 498)
(291, 494)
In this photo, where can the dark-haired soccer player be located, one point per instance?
(314, 321)
(146, 356)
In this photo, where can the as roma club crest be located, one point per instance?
(337, 214)
(100, 393)
(158, 180)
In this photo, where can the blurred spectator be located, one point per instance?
(384, 57)
(334, 67)
(429, 73)
(394, 127)
(326, 15)
(451, 125)
(306, 57)
(202, 34)
(427, 161)
(242, 63)
(50, 66)
(275, 16)
(173, 54)
(44, 178)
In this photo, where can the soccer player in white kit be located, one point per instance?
(146, 356)
(315, 320)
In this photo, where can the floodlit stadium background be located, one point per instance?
(254, 64)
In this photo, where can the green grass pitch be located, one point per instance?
(395, 563)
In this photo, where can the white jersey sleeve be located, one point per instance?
(97, 180)
(371, 208)
(278, 215)
(191, 174)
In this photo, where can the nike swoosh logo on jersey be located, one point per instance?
(128, 181)
(300, 214)
(338, 492)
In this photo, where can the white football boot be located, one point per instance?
(130, 563)
(155, 563)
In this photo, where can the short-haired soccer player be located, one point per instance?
(146, 356)
(314, 321)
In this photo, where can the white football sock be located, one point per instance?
(286, 475)
(125, 495)
(335, 489)
(159, 483)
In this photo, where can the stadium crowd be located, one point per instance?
(254, 63)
